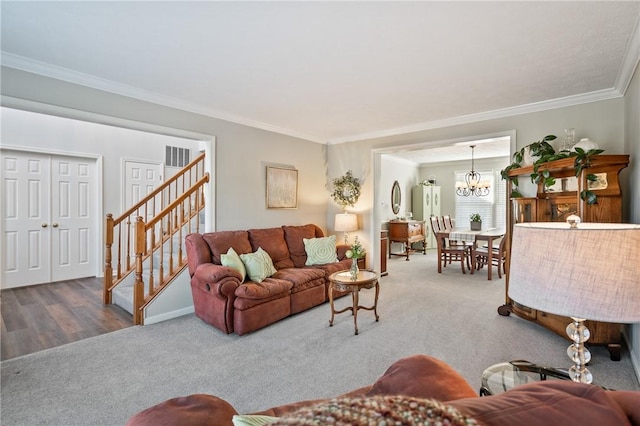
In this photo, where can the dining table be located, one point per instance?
(488, 235)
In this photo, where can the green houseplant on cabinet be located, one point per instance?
(543, 152)
(475, 221)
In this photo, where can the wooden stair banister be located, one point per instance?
(170, 209)
(149, 242)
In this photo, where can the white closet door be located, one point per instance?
(26, 234)
(48, 218)
(72, 218)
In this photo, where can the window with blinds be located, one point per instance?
(492, 207)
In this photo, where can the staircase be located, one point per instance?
(145, 245)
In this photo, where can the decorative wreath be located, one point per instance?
(346, 190)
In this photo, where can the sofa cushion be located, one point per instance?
(258, 265)
(219, 243)
(550, 402)
(272, 241)
(265, 289)
(232, 260)
(422, 376)
(192, 410)
(320, 251)
(294, 235)
(330, 268)
(301, 278)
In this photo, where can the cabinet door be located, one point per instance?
(435, 205)
(417, 203)
(556, 209)
(524, 210)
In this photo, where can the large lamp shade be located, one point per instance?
(588, 272)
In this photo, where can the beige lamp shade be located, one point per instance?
(346, 222)
(590, 272)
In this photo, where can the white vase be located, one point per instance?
(528, 158)
(586, 144)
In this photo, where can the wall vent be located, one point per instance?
(177, 157)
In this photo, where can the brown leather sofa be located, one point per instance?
(553, 402)
(222, 299)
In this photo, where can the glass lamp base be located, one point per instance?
(580, 355)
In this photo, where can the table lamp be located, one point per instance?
(346, 222)
(590, 271)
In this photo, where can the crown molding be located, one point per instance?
(632, 57)
(22, 63)
(584, 98)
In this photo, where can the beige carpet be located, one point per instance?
(105, 379)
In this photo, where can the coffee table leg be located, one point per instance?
(355, 309)
(331, 304)
(375, 301)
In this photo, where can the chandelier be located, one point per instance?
(472, 185)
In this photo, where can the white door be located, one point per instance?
(140, 179)
(48, 217)
(72, 217)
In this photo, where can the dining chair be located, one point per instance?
(480, 255)
(435, 225)
(448, 253)
(447, 222)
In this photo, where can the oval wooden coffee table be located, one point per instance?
(342, 281)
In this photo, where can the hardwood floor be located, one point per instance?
(43, 316)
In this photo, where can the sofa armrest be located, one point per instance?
(341, 249)
(220, 279)
(198, 252)
(192, 410)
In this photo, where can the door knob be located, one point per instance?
(44, 225)
(55, 225)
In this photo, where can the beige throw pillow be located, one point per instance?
(232, 260)
(258, 264)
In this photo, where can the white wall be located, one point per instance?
(406, 173)
(242, 152)
(47, 133)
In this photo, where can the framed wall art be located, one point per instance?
(282, 188)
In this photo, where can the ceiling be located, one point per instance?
(333, 72)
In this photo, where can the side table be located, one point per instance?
(506, 375)
(342, 281)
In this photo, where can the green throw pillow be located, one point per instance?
(320, 251)
(232, 260)
(258, 264)
(251, 420)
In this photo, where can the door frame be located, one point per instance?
(98, 221)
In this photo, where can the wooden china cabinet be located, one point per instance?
(554, 205)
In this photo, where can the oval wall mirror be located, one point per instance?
(395, 197)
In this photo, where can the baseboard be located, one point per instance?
(168, 315)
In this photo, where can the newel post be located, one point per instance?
(107, 282)
(138, 287)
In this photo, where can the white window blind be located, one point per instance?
(491, 207)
